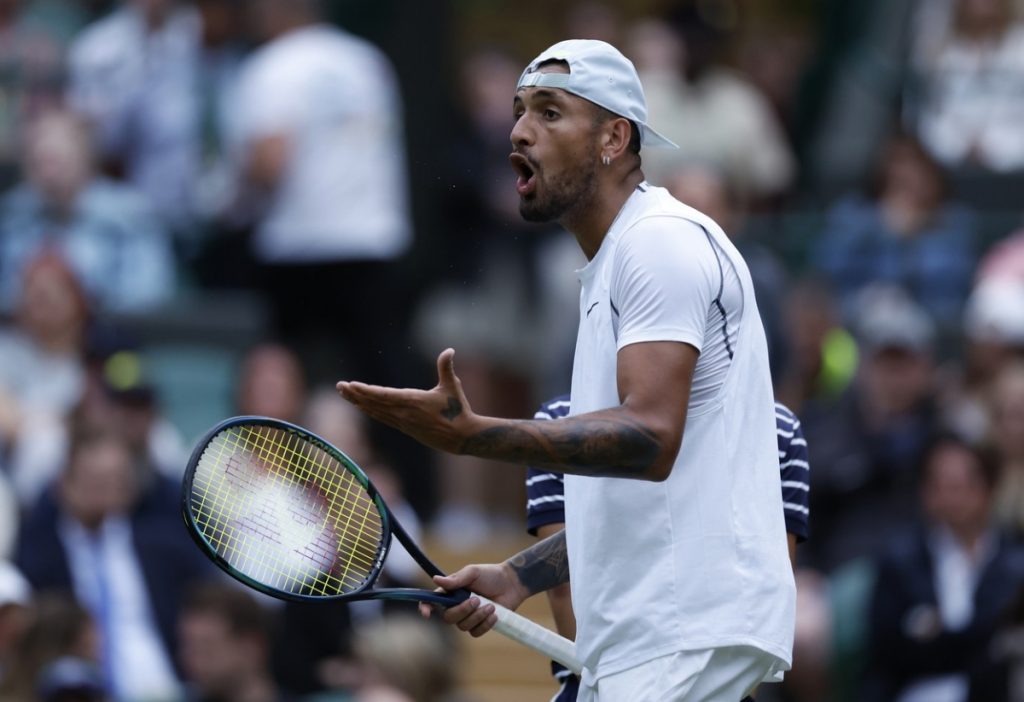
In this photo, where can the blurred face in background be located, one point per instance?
(213, 657)
(955, 493)
(910, 175)
(272, 384)
(53, 309)
(58, 158)
(99, 481)
(896, 380)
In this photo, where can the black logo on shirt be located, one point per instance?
(592, 307)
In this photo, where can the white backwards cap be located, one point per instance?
(598, 72)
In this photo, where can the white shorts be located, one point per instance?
(708, 675)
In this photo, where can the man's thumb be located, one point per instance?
(446, 367)
(452, 582)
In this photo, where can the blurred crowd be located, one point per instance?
(223, 206)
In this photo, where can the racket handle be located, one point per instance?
(530, 633)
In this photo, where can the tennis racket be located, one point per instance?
(288, 514)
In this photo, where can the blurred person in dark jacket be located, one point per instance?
(123, 553)
(870, 439)
(942, 585)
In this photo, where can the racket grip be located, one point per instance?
(530, 633)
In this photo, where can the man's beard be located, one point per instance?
(561, 195)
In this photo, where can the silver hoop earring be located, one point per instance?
(606, 160)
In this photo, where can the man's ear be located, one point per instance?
(616, 137)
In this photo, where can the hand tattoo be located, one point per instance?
(453, 410)
(544, 565)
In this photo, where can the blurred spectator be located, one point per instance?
(271, 383)
(708, 191)
(42, 373)
(994, 339)
(31, 76)
(905, 233)
(325, 159)
(868, 443)
(942, 586)
(105, 231)
(223, 47)
(967, 99)
(116, 394)
(134, 74)
(99, 535)
(59, 629)
(407, 654)
(224, 646)
(1007, 399)
(714, 114)
(134, 409)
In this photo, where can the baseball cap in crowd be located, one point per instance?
(598, 72)
(995, 311)
(888, 318)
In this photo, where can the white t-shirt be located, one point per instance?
(699, 560)
(343, 194)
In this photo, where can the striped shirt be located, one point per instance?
(546, 497)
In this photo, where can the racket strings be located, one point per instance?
(284, 512)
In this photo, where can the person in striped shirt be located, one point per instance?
(545, 514)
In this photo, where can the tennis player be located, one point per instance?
(545, 514)
(674, 530)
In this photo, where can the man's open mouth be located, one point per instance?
(526, 176)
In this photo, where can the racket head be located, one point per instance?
(285, 512)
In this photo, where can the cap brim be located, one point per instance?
(652, 139)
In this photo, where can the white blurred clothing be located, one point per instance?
(721, 121)
(108, 579)
(139, 87)
(972, 102)
(343, 193)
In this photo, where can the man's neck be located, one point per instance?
(589, 222)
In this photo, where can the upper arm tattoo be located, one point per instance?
(544, 565)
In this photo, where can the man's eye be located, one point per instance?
(550, 114)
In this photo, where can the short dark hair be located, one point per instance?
(236, 607)
(986, 458)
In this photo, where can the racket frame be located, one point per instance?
(390, 526)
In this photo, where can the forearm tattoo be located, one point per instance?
(606, 443)
(544, 565)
